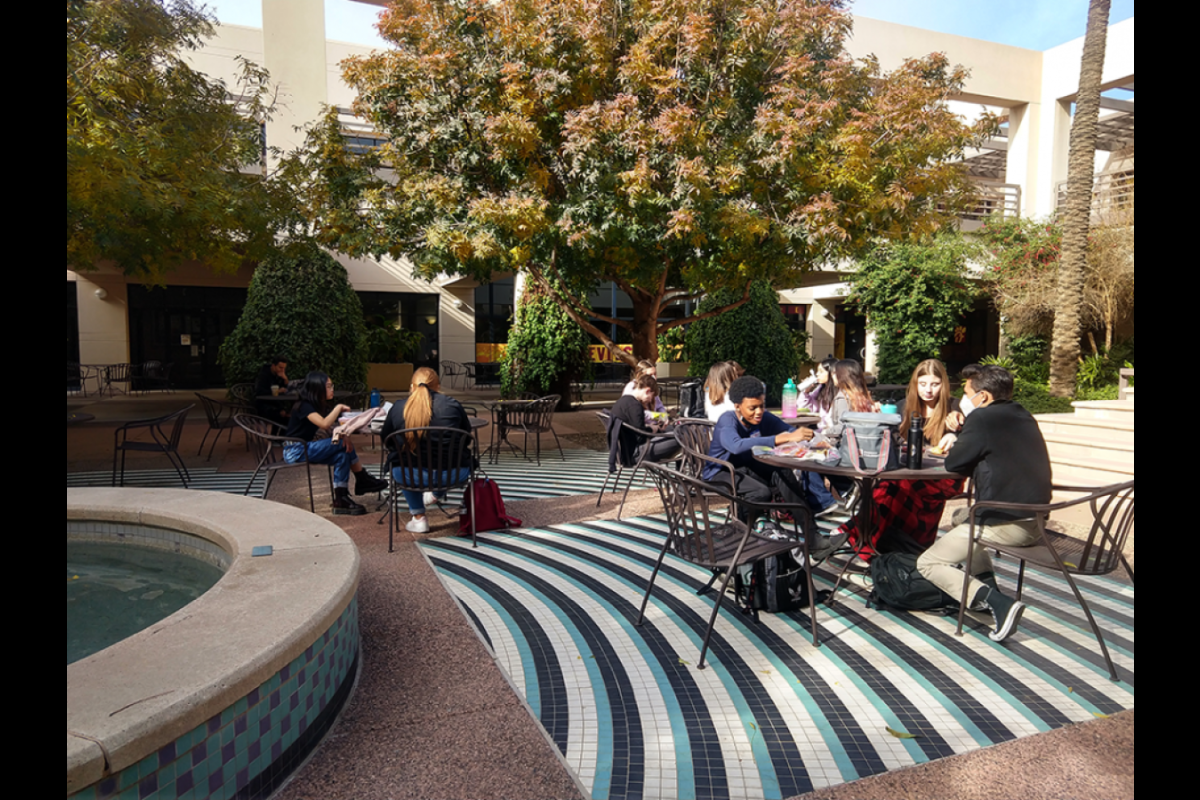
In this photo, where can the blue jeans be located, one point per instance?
(415, 500)
(819, 498)
(325, 451)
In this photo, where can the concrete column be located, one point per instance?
(1022, 161)
(103, 318)
(294, 54)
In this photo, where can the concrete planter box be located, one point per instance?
(673, 370)
(389, 377)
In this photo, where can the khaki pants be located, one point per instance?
(939, 564)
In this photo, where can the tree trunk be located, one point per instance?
(1064, 351)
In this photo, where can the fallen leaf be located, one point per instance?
(900, 735)
(1098, 714)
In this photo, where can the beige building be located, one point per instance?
(112, 318)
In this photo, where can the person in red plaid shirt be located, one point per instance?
(909, 511)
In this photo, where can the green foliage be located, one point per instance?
(163, 164)
(676, 148)
(913, 296)
(387, 344)
(546, 350)
(997, 361)
(672, 346)
(755, 335)
(300, 305)
(1036, 398)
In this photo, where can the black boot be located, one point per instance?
(366, 483)
(343, 505)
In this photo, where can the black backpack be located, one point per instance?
(776, 583)
(691, 400)
(898, 585)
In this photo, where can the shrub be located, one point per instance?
(546, 349)
(756, 335)
(913, 296)
(301, 306)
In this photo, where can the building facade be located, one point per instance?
(113, 318)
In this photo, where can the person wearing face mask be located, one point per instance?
(1002, 448)
(909, 511)
(748, 425)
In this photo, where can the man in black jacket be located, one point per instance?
(1002, 447)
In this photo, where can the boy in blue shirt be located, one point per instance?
(750, 425)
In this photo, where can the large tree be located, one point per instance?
(674, 147)
(163, 163)
(1064, 349)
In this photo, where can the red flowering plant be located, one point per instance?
(1022, 271)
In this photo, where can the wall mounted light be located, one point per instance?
(431, 320)
(101, 294)
(458, 303)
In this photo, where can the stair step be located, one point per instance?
(1084, 449)
(1073, 472)
(1119, 410)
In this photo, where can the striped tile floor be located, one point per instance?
(772, 716)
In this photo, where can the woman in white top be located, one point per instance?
(716, 390)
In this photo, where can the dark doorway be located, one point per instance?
(72, 322)
(183, 326)
(850, 337)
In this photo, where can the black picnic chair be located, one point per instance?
(705, 531)
(165, 433)
(1099, 552)
(433, 466)
(267, 442)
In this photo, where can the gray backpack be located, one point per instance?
(868, 441)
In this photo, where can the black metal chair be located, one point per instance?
(268, 445)
(452, 371)
(1100, 552)
(716, 540)
(220, 418)
(154, 376)
(614, 428)
(114, 374)
(536, 417)
(165, 433)
(243, 394)
(433, 466)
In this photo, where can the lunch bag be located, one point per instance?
(898, 584)
(489, 510)
(868, 441)
(776, 583)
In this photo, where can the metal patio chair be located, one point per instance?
(1100, 552)
(717, 541)
(165, 433)
(441, 453)
(268, 444)
(536, 417)
(220, 418)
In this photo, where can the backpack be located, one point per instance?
(691, 400)
(489, 510)
(897, 584)
(776, 583)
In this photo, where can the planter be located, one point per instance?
(390, 377)
(677, 369)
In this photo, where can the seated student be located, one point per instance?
(645, 367)
(716, 389)
(425, 407)
(750, 425)
(1001, 446)
(908, 512)
(626, 444)
(313, 413)
(270, 377)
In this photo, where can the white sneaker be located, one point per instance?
(418, 525)
(430, 499)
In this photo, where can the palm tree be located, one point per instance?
(1064, 352)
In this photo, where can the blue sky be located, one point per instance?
(1035, 24)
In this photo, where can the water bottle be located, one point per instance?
(376, 398)
(916, 442)
(790, 397)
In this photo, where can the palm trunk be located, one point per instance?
(1064, 352)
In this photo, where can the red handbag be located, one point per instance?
(488, 507)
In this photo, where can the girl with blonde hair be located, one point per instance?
(716, 391)
(425, 407)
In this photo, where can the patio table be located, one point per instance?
(500, 427)
(867, 515)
